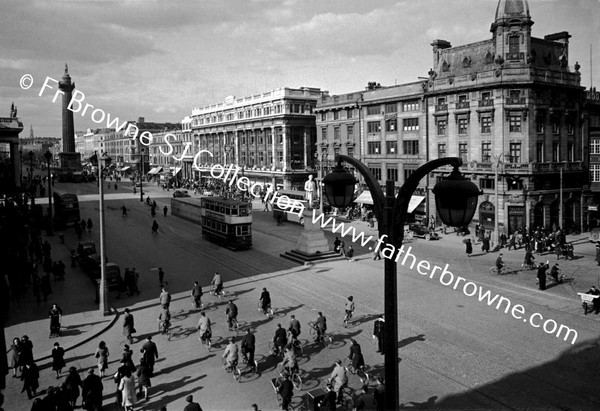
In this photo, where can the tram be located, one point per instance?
(227, 222)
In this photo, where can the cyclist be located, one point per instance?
(280, 339)
(231, 353)
(217, 283)
(204, 327)
(289, 362)
(356, 355)
(528, 262)
(320, 326)
(499, 263)
(555, 274)
(231, 312)
(286, 390)
(295, 345)
(248, 347)
(265, 300)
(164, 319)
(349, 308)
(294, 327)
(338, 378)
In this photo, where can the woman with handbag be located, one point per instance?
(102, 357)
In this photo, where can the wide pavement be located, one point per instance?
(456, 352)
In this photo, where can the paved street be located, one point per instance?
(456, 352)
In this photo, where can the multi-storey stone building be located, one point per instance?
(509, 106)
(270, 135)
(591, 129)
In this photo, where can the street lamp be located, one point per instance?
(103, 162)
(456, 199)
(496, 213)
(48, 157)
(142, 152)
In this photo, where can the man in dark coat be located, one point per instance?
(286, 390)
(321, 326)
(248, 347)
(30, 377)
(197, 295)
(541, 275)
(150, 353)
(280, 338)
(294, 327)
(128, 327)
(92, 391)
(191, 405)
(379, 333)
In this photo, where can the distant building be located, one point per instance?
(512, 101)
(271, 136)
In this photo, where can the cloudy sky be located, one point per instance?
(158, 59)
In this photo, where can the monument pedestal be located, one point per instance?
(312, 244)
(70, 161)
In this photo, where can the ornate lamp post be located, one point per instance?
(496, 213)
(48, 157)
(103, 163)
(456, 200)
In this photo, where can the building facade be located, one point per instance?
(271, 136)
(509, 106)
(591, 128)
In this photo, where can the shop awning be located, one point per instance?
(365, 198)
(155, 170)
(177, 170)
(125, 168)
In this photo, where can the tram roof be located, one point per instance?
(228, 201)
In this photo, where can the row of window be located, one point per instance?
(412, 105)
(514, 126)
(212, 225)
(391, 171)
(514, 151)
(391, 125)
(252, 112)
(391, 147)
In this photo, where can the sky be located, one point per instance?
(159, 59)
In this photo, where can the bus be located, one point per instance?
(294, 211)
(66, 210)
(227, 222)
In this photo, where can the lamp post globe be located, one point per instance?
(339, 187)
(456, 199)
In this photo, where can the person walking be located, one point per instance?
(161, 276)
(197, 295)
(127, 388)
(149, 353)
(155, 227)
(58, 359)
(25, 351)
(321, 326)
(191, 405)
(102, 358)
(469, 247)
(485, 247)
(91, 392)
(15, 348)
(541, 275)
(124, 210)
(128, 326)
(30, 376)
(144, 374)
(89, 224)
(73, 384)
(379, 394)
(165, 210)
(55, 313)
(165, 298)
(379, 333)
(286, 391)
(127, 358)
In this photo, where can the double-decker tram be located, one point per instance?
(227, 222)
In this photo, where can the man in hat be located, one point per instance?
(379, 333)
(191, 405)
(128, 327)
(150, 353)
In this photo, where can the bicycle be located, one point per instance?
(232, 368)
(293, 373)
(347, 319)
(361, 372)
(220, 294)
(345, 396)
(268, 311)
(276, 350)
(164, 327)
(253, 367)
(326, 338)
(205, 339)
(504, 270)
(233, 325)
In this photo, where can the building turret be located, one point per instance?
(512, 31)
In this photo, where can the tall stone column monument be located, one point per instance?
(69, 159)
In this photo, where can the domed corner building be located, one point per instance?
(511, 106)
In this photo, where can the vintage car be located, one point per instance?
(422, 231)
(180, 193)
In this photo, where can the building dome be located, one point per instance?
(510, 12)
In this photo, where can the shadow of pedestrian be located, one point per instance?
(185, 364)
(164, 400)
(410, 340)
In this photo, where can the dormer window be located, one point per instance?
(445, 66)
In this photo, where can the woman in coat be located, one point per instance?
(30, 377)
(144, 374)
(127, 388)
(25, 351)
(72, 384)
(469, 247)
(58, 359)
(102, 357)
(15, 348)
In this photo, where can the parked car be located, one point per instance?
(422, 231)
(180, 193)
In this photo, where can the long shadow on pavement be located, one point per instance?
(164, 388)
